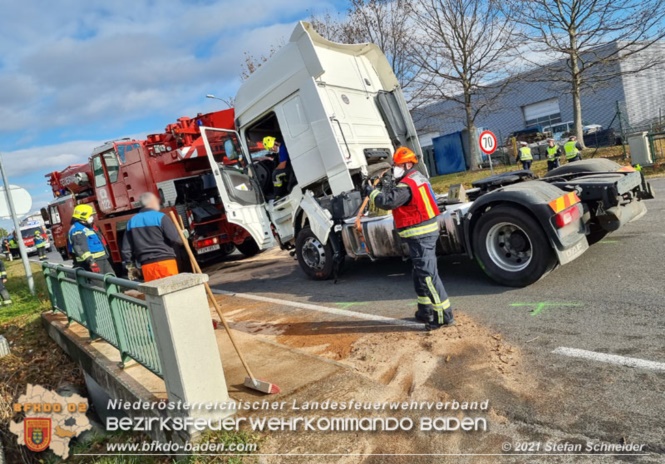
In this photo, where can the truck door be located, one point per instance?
(237, 185)
(111, 191)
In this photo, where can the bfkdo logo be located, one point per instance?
(50, 420)
(37, 433)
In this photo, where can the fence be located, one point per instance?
(100, 304)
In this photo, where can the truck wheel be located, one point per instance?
(511, 247)
(248, 248)
(314, 258)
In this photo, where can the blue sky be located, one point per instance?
(75, 73)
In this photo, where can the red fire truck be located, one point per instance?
(172, 165)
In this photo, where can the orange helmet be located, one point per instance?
(404, 155)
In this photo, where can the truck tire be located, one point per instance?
(511, 247)
(314, 258)
(248, 248)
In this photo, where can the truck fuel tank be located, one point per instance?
(382, 240)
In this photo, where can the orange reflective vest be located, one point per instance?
(422, 207)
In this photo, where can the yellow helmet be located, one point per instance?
(83, 212)
(269, 142)
(37, 232)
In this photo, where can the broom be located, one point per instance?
(251, 381)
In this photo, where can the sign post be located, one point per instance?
(488, 144)
(17, 230)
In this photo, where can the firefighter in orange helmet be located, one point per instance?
(415, 212)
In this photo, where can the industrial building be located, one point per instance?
(621, 99)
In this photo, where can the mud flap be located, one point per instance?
(573, 252)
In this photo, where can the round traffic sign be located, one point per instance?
(487, 142)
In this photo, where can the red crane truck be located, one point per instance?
(173, 165)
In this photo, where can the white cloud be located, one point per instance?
(78, 62)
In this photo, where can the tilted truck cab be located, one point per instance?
(341, 113)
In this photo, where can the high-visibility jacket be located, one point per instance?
(552, 152)
(85, 243)
(40, 241)
(13, 244)
(418, 216)
(525, 154)
(571, 150)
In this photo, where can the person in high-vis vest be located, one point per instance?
(553, 154)
(6, 298)
(415, 212)
(13, 246)
(281, 176)
(524, 156)
(86, 243)
(40, 244)
(573, 149)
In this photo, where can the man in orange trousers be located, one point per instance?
(149, 240)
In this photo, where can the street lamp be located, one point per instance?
(228, 102)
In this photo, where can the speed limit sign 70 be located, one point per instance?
(487, 142)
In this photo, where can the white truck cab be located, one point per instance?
(338, 109)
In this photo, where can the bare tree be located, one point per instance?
(594, 36)
(385, 23)
(464, 52)
(251, 62)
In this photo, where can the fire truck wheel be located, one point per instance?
(248, 247)
(314, 258)
(511, 247)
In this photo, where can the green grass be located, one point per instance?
(24, 304)
(441, 184)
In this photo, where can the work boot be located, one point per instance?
(448, 320)
(423, 314)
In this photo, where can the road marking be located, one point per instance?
(610, 358)
(609, 241)
(539, 307)
(349, 304)
(322, 309)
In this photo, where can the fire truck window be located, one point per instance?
(98, 171)
(121, 152)
(55, 215)
(112, 166)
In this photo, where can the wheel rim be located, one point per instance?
(314, 254)
(509, 247)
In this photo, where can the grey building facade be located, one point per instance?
(530, 101)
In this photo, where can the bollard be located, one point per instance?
(186, 342)
(4, 347)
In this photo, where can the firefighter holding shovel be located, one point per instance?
(415, 212)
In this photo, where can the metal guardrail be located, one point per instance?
(98, 303)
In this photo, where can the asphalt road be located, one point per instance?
(609, 301)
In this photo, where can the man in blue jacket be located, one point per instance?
(149, 240)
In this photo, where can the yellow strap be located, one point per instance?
(420, 230)
(98, 254)
(424, 300)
